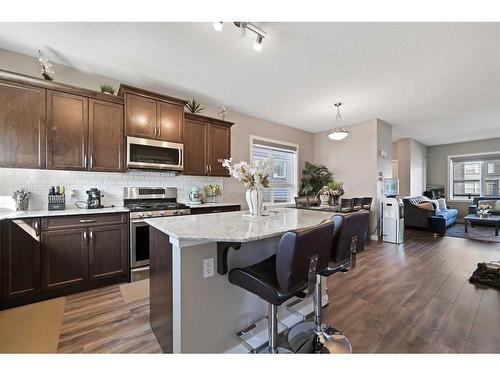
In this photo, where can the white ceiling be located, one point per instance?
(436, 83)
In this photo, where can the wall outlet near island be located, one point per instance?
(208, 267)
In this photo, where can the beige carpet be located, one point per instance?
(135, 291)
(33, 328)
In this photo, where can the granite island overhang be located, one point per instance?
(193, 314)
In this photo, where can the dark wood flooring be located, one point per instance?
(412, 298)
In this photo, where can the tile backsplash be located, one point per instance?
(111, 184)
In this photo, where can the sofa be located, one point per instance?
(432, 219)
(492, 201)
(475, 203)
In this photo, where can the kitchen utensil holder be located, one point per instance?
(22, 204)
(57, 202)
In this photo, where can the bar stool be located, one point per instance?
(315, 336)
(300, 254)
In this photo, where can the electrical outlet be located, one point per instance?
(208, 267)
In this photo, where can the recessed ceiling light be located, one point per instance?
(217, 26)
(258, 43)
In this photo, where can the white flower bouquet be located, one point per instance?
(251, 176)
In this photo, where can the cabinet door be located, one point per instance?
(64, 258)
(170, 122)
(22, 126)
(67, 131)
(105, 136)
(195, 148)
(140, 113)
(219, 147)
(108, 250)
(20, 258)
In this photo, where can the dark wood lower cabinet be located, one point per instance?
(64, 258)
(56, 262)
(20, 258)
(108, 251)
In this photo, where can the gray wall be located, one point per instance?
(356, 160)
(437, 170)
(412, 166)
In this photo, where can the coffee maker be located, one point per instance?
(94, 198)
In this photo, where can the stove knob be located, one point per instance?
(150, 214)
(140, 214)
(163, 213)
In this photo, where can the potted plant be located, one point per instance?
(107, 89)
(194, 106)
(212, 191)
(337, 190)
(314, 178)
(255, 178)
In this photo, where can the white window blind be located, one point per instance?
(283, 180)
(474, 176)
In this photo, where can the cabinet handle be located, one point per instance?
(91, 238)
(209, 168)
(36, 226)
(87, 221)
(91, 161)
(85, 161)
(154, 131)
(206, 168)
(85, 238)
(159, 131)
(180, 158)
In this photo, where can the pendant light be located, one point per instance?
(338, 133)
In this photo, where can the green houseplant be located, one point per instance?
(194, 106)
(107, 89)
(314, 177)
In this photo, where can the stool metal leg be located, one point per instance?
(272, 319)
(316, 337)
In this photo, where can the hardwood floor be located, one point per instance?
(413, 298)
(417, 299)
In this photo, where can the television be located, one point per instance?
(391, 187)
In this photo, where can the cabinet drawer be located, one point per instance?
(213, 210)
(66, 222)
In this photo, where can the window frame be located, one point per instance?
(482, 181)
(295, 166)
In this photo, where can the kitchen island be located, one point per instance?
(190, 313)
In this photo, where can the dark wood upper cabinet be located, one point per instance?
(64, 260)
(20, 258)
(170, 122)
(206, 141)
(219, 147)
(140, 116)
(195, 145)
(106, 142)
(108, 250)
(152, 115)
(22, 126)
(67, 131)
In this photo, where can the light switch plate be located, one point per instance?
(208, 267)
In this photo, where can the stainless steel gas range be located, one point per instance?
(143, 203)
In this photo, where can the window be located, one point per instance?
(474, 175)
(283, 179)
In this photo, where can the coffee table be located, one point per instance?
(492, 219)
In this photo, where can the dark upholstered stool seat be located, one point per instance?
(261, 280)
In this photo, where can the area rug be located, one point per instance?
(135, 291)
(480, 233)
(32, 328)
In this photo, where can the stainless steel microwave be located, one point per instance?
(151, 154)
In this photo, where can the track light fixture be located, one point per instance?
(244, 26)
(217, 26)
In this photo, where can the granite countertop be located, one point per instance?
(235, 226)
(216, 204)
(10, 214)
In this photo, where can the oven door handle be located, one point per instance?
(138, 221)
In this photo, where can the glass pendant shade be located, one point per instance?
(338, 134)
